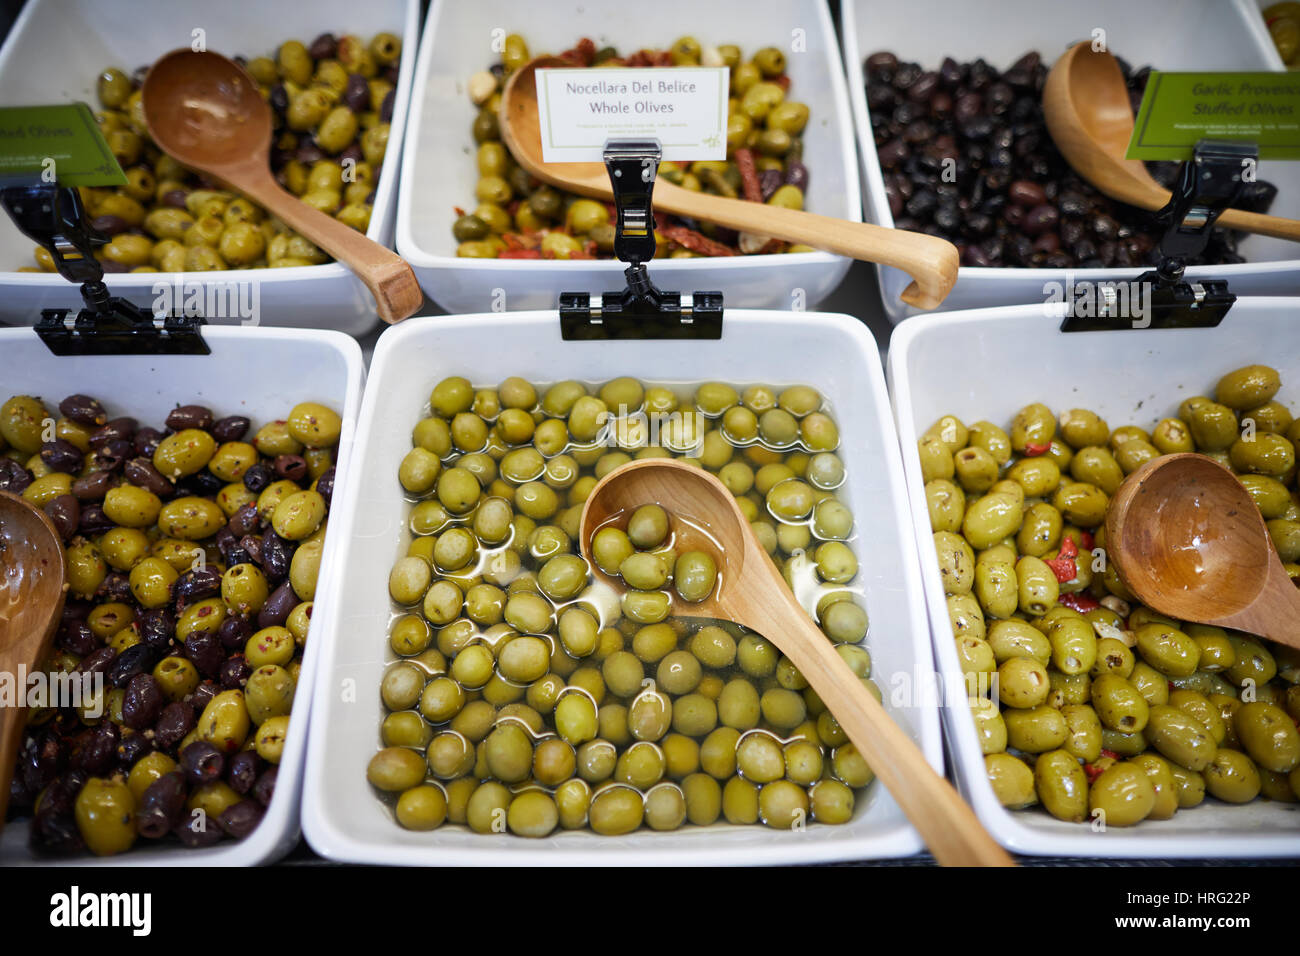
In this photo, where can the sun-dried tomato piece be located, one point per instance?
(749, 181)
(695, 242)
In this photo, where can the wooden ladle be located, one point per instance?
(751, 592)
(32, 574)
(929, 260)
(1189, 541)
(1087, 109)
(205, 112)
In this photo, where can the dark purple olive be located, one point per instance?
(61, 455)
(131, 748)
(203, 484)
(94, 486)
(157, 626)
(141, 472)
(386, 107)
(325, 485)
(234, 632)
(14, 478)
(264, 789)
(134, 660)
(277, 607)
(251, 545)
(202, 695)
(242, 770)
(146, 441)
(1040, 219)
(257, 477)
(230, 428)
(175, 721)
(196, 831)
(202, 763)
(354, 153)
(97, 750)
(309, 152)
(118, 429)
(161, 806)
(113, 267)
(77, 637)
(196, 585)
(64, 513)
(884, 61)
(189, 416)
(276, 556)
(116, 586)
(356, 95)
(324, 47)
(240, 819)
(176, 198)
(1022, 192)
(83, 410)
(142, 703)
(235, 672)
(292, 467)
(204, 651)
(245, 520)
(97, 661)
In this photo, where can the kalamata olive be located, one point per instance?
(309, 151)
(905, 75)
(1048, 242)
(116, 586)
(325, 485)
(882, 61)
(203, 648)
(241, 819)
(257, 477)
(203, 484)
(109, 225)
(277, 607)
(234, 672)
(77, 637)
(950, 71)
(245, 520)
(1105, 227)
(292, 467)
(893, 153)
(354, 153)
(117, 429)
(251, 545)
(230, 428)
(157, 626)
(235, 631)
(925, 86)
(175, 721)
(97, 661)
(97, 748)
(202, 694)
(176, 198)
(195, 831)
(134, 660)
(83, 410)
(202, 763)
(264, 789)
(196, 585)
(276, 556)
(242, 770)
(93, 487)
(356, 95)
(131, 748)
(161, 806)
(65, 514)
(769, 181)
(324, 47)
(141, 472)
(146, 441)
(880, 99)
(386, 106)
(1022, 192)
(54, 830)
(61, 455)
(189, 416)
(14, 478)
(1040, 219)
(142, 703)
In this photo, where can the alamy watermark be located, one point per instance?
(182, 294)
(37, 689)
(1122, 301)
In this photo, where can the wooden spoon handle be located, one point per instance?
(946, 823)
(388, 277)
(1260, 224)
(930, 261)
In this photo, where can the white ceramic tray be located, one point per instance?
(260, 373)
(342, 816)
(1167, 34)
(438, 170)
(54, 54)
(989, 363)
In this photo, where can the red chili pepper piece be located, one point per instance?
(748, 175)
(1092, 770)
(519, 254)
(1033, 451)
(1087, 541)
(1064, 568)
(1082, 603)
(695, 242)
(1109, 753)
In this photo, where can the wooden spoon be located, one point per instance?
(1189, 541)
(929, 260)
(1086, 105)
(205, 112)
(32, 574)
(751, 592)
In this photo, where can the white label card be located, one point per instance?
(685, 108)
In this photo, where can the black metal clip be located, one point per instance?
(1207, 185)
(55, 217)
(641, 310)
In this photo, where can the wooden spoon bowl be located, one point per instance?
(1087, 109)
(33, 570)
(929, 260)
(751, 592)
(1189, 542)
(206, 113)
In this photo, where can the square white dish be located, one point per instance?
(1201, 35)
(343, 817)
(245, 374)
(54, 53)
(990, 363)
(439, 173)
